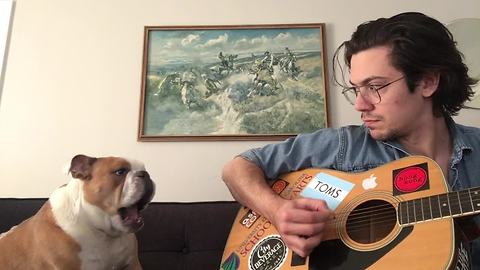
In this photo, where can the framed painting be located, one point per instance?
(6, 9)
(236, 82)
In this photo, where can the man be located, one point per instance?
(407, 80)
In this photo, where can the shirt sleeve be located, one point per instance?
(317, 149)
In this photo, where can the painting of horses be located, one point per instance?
(251, 82)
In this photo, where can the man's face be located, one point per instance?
(399, 112)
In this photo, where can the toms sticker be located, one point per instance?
(410, 179)
(268, 254)
(331, 189)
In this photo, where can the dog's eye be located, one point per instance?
(121, 171)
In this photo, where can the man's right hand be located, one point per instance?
(301, 223)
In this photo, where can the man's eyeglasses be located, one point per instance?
(369, 92)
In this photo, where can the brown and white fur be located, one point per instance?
(89, 223)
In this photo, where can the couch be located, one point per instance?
(183, 236)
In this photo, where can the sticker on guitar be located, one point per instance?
(269, 253)
(331, 189)
(410, 179)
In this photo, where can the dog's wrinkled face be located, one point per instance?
(115, 191)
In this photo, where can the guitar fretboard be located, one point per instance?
(452, 204)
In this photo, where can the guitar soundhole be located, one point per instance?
(371, 221)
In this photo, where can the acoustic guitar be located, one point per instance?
(397, 216)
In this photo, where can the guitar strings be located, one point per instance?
(385, 217)
(385, 214)
(389, 209)
(454, 204)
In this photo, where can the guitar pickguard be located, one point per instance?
(334, 254)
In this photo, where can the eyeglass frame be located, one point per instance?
(353, 89)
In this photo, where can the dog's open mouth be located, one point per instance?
(131, 216)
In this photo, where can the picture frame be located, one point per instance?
(6, 11)
(233, 82)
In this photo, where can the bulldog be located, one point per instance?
(88, 223)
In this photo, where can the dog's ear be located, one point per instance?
(81, 167)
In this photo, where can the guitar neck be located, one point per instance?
(453, 204)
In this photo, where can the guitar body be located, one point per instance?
(382, 221)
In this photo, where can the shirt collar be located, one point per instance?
(460, 142)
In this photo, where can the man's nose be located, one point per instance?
(362, 104)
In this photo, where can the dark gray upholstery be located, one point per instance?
(179, 236)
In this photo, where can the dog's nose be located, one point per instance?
(143, 174)
(149, 190)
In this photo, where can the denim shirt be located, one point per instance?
(351, 149)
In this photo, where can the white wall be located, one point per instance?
(72, 84)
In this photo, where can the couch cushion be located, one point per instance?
(13, 211)
(185, 235)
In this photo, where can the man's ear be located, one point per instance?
(429, 83)
(81, 167)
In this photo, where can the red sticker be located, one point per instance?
(279, 186)
(410, 179)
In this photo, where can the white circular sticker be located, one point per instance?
(268, 254)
